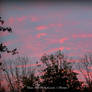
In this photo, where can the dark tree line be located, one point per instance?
(56, 75)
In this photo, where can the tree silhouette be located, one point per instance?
(85, 68)
(3, 47)
(19, 76)
(29, 83)
(58, 73)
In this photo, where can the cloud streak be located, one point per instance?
(82, 35)
(41, 27)
(41, 35)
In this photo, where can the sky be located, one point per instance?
(40, 28)
(46, 27)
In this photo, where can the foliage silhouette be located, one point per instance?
(4, 48)
(29, 83)
(58, 73)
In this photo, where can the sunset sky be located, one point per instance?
(40, 28)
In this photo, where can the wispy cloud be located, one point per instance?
(41, 35)
(82, 35)
(62, 40)
(41, 27)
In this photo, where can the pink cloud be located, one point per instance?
(41, 34)
(21, 19)
(61, 48)
(67, 48)
(77, 71)
(59, 25)
(82, 35)
(42, 27)
(29, 65)
(34, 19)
(63, 39)
(52, 50)
(11, 20)
(56, 49)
